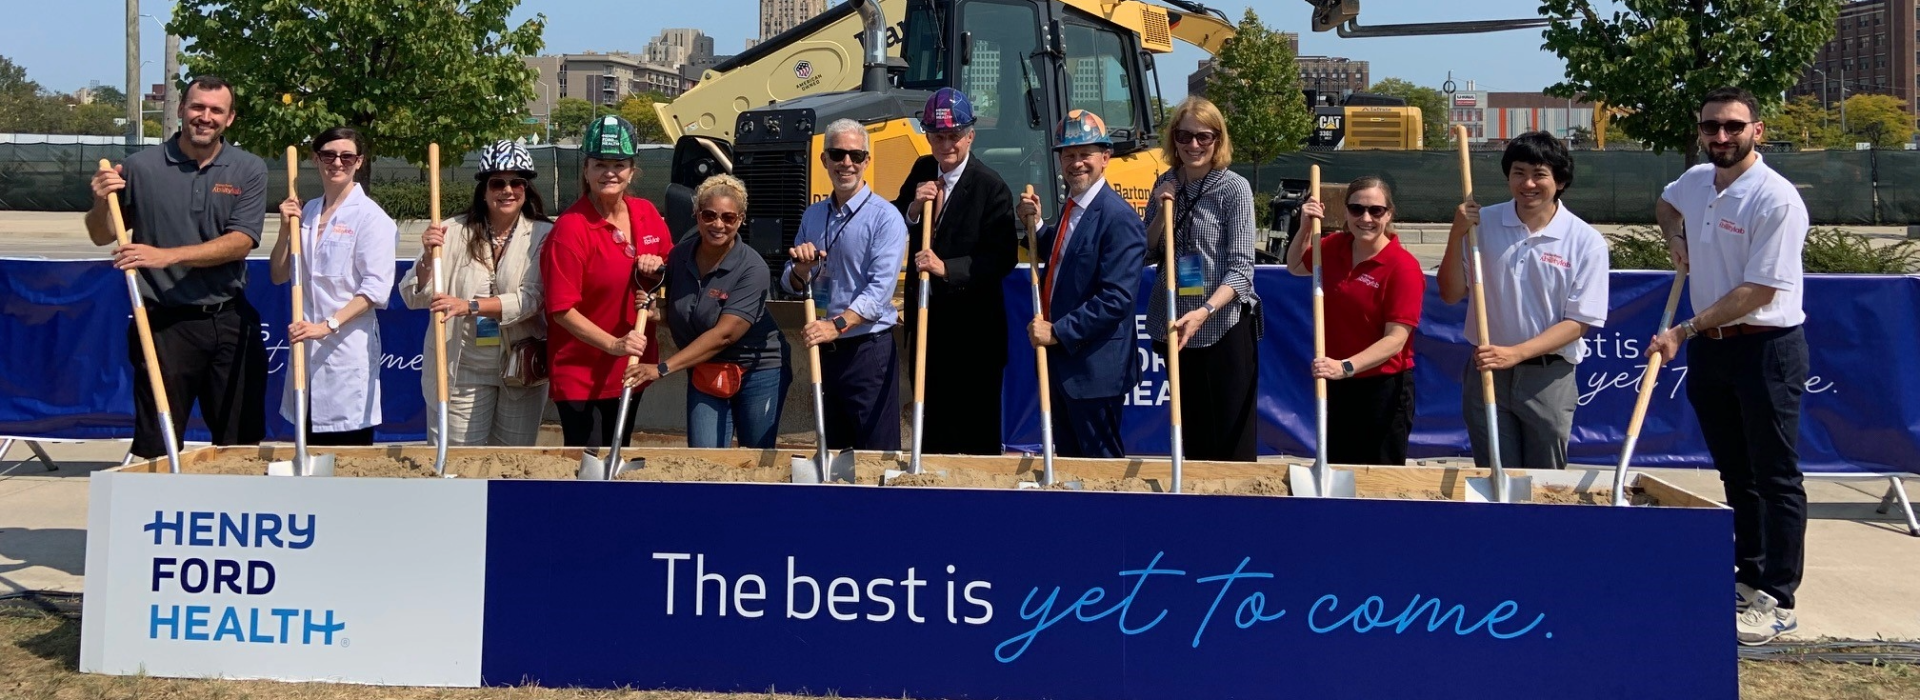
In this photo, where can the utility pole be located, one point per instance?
(170, 107)
(136, 131)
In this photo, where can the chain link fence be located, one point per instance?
(1620, 187)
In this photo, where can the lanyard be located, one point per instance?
(1185, 204)
(826, 244)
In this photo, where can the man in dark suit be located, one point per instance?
(1095, 252)
(974, 249)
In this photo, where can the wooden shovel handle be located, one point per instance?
(140, 322)
(299, 283)
(439, 318)
(1319, 294)
(1039, 351)
(1473, 244)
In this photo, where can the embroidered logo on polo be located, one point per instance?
(1556, 260)
(717, 294)
(224, 188)
(1729, 227)
(1367, 279)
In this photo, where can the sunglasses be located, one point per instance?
(730, 218)
(338, 157)
(1710, 127)
(499, 183)
(1375, 210)
(835, 155)
(1204, 138)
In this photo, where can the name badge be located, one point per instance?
(486, 332)
(1192, 274)
(823, 288)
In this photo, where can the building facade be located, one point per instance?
(777, 16)
(1332, 76)
(1495, 117)
(600, 78)
(675, 48)
(1873, 51)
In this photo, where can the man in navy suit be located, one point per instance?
(1094, 255)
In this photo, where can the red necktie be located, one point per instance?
(1053, 261)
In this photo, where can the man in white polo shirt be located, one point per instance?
(1741, 228)
(1546, 277)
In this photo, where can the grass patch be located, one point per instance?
(1828, 250)
(39, 652)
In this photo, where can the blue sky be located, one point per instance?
(65, 44)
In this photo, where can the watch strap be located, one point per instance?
(840, 323)
(1347, 366)
(664, 370)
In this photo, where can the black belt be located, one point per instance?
(154, 307)
(1543, 360)
(845, 344)
(1736, 330)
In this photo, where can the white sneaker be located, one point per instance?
(1764, 620)
(1743, 596)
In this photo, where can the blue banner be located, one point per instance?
(1861, 411)
(1098, 596)
(63, 339)
(64, 370)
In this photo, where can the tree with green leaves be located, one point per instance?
(638, 109)
(570, 118)
(1659, 59)
(1432, 104)
(1878, 119)
(110, 95)
(1257, 87)
(1803, 122)
(13, 80)
(405, 74)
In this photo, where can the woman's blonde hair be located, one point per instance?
(1203, 111)
(722, 185)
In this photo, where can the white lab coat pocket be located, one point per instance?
(333, 257)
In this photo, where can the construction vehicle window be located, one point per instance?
(1098, 75)
(996, 77)
(925, 48)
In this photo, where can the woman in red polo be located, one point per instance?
(587, 268)
(1374, 288)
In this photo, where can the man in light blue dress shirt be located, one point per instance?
(851, 247)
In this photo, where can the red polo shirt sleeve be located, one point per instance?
(1404, 289)
(562, 260)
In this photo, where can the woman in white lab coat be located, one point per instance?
(346, 252)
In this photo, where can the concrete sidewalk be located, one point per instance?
(1862, 582)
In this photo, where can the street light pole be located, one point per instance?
(136, 131)
(170, 95)
(1823, 98)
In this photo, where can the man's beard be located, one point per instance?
(1731, 157)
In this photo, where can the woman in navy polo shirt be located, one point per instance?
(717, 312)
(1374, 288)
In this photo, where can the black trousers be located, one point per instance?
(1746, 392)
(1369, 419)
(965, 368)
(860, 377)
(346, 438)
(591, 423)
(213, 357)
(1087, 427)
(1218, 386)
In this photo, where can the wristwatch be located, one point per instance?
(840, 323)
(1347, 366)
(662, 368)
(333, 325)
(473, 306)
(1208, 305)
(1687, 328)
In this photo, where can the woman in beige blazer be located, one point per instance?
(493, 305)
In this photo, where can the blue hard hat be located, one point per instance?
(946, 110)
(1082, 128)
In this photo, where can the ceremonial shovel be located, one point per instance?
(919, 355)
(303, 464)
(820, 470)
(1646, 393)
(154, 378)
(439, 317)
(1168, 271)
(1500, 488)
(1040, 357)
(1321, 480)
(591, 467)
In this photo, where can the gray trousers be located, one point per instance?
(1534, 405)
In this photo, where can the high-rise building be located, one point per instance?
(1868, 54)
(678, 47)
(600, 78)
(777, 16)
(1331, 76)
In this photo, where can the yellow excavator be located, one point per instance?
(1023, 63)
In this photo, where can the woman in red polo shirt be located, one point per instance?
(587, 268)
(1374, 288)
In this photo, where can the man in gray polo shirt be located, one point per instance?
(195, 206)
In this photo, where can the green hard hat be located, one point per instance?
(609, 138)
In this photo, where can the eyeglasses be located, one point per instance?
(1709, 127)
(337, 157)
(500, 183)
(1204, 138)
(1375, 210)
(835, 155)
(730, 218)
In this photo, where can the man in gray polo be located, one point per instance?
(195, 206)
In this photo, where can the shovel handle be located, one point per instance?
(1039, 351)
(439, 317)
(299, 272)
(140, 322)
(920, 322)
(1479, 277)
(1168, 271)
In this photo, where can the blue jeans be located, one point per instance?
(752, 414)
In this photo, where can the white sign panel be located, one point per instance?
(334, 579)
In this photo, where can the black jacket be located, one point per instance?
(976, 238)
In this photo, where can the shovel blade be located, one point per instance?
(591, 468)
(319, 465)
(839, 469)
(1339, 483)
(280, 468)
(1519, 490)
